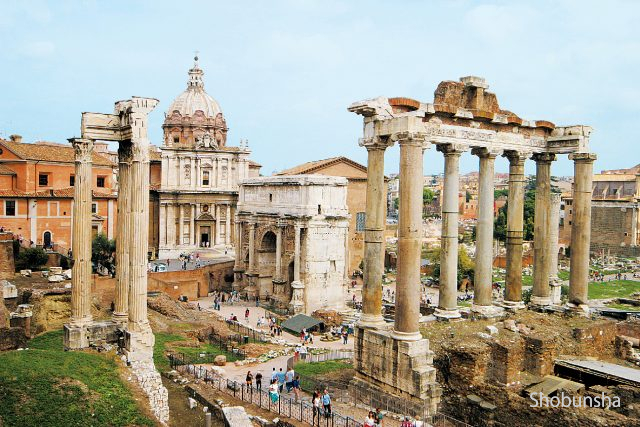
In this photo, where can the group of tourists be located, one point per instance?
(321, 405)
(305, 337)
(281, 380)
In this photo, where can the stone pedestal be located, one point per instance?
(92, 334)
(556, 292)
(138, 345)
(396, 368)
(297, 305)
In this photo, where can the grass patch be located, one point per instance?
(527, 280)
(613, 289)
(321, 368)
(563, 275)
(464, 303)
(46, 386)
(164, 341)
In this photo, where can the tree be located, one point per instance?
(427, 196)
(396, 203)
(31, 258)
(467, 196)
(466, 265)
(102, 251)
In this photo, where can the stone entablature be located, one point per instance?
(291, 244)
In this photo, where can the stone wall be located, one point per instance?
(611, 228)
(7, 267)
(193, 283)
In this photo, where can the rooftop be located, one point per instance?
(50, 152)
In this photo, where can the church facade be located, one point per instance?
(200, 179)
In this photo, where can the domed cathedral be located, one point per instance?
(200, 175)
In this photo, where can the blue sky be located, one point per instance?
(284, 72)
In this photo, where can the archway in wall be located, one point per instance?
(266, 265)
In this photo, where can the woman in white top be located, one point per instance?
(369, 420)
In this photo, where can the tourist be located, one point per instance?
(345, 336)
(303, 334)
(288, 379)
(315, 400)
(303, 352)
(246, 315)
(378, 417)
(273, 391)
(326, 403)
(418, 422)
(280, 377)
(259, 381)
(296, 387)
(406, 422)
(249, 379)
(274, 375)
(368, 421)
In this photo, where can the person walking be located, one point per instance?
(296, 387)
(315, 400)
(378, 417)
(274, 375)
(246, 315)
(368, 421)
(273, 391)
(280, 377)
(288, 379)
(259, 381)
(326, 403)
(345, 336)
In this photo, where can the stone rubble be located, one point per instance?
(148, 378)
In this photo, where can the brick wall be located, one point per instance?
(7, 267)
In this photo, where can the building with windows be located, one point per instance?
(356, 175)
(36, 192)
(200, 174)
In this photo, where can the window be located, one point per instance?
(94, 208)
(43, 179)
(205, 178)
(100, 182)
(176, 139)
(360, 216)
(319, 209)
(72, 180)
(270, 197)
(10, 208)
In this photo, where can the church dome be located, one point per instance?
(195, 98)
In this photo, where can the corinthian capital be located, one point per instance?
(491, 153)
(125, 154)
(83, 149)
(583, 157)
(515, 157)
(543, 157)
(451, 149)
(409, 138)
(140, 152)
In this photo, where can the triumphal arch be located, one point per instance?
(464, 117)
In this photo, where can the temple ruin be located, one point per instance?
(463, 117)
(128, 126)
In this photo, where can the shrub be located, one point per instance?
(526, 296)
(31, 258)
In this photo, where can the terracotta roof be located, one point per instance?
(253, 164)
(62, 193)
(154, 154)
(49, 152)
(310, 167)
(5, 170)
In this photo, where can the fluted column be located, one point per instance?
(483, 277)
(515, 232)
(541, 295)
(296, 254)
(373, 234)
(227, 226)
(407, 317)
(252, 240)
(81, 247)
(581, 231)
(192, 224)
(218, 240)
(171, 225)
(281, 224)
(181, 225)
(121, 301)
(553, 239)
(448, 290)
(239, 264)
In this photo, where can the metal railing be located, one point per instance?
(284, 406)
(253, 334)
(320, 357)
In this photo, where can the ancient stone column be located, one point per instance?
(374, 234)
(407, 313)
(448, 291)
(554, 224)
(580, 231)
(192, 224)
(227, 230)
(541, 295)
(515, 232)
(139, 339)
(297, 303)
(81, 248)
(181, 225)
(238, 243)
(483, 278)
(218, 240)
(252, 237)
(123, 232)
(281, 224)
(296, 254)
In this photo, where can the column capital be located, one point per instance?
(583, 157)
(410, 138)
(516, 156)
(375, 143)
(83, 149)
(491, 153)
(543, 157)
(452, 149)
(140, 152)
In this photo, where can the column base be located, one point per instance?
(446, 315)
(120, 319)
(297, 304)
(487, 311)
(578, 309)
(513, 305)
(540, 303)
(556, 293)
(372, 321)
(405, 336)
(138, 344)
(76, 336)
(79, 335)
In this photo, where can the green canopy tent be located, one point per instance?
(299, 322)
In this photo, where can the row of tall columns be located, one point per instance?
(81, 278)
(170, 234)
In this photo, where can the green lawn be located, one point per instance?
(613, 289)
(46, 386)
(527, 280)
(627, 307)
(320, 368)
(563, 275)
(161, 345)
